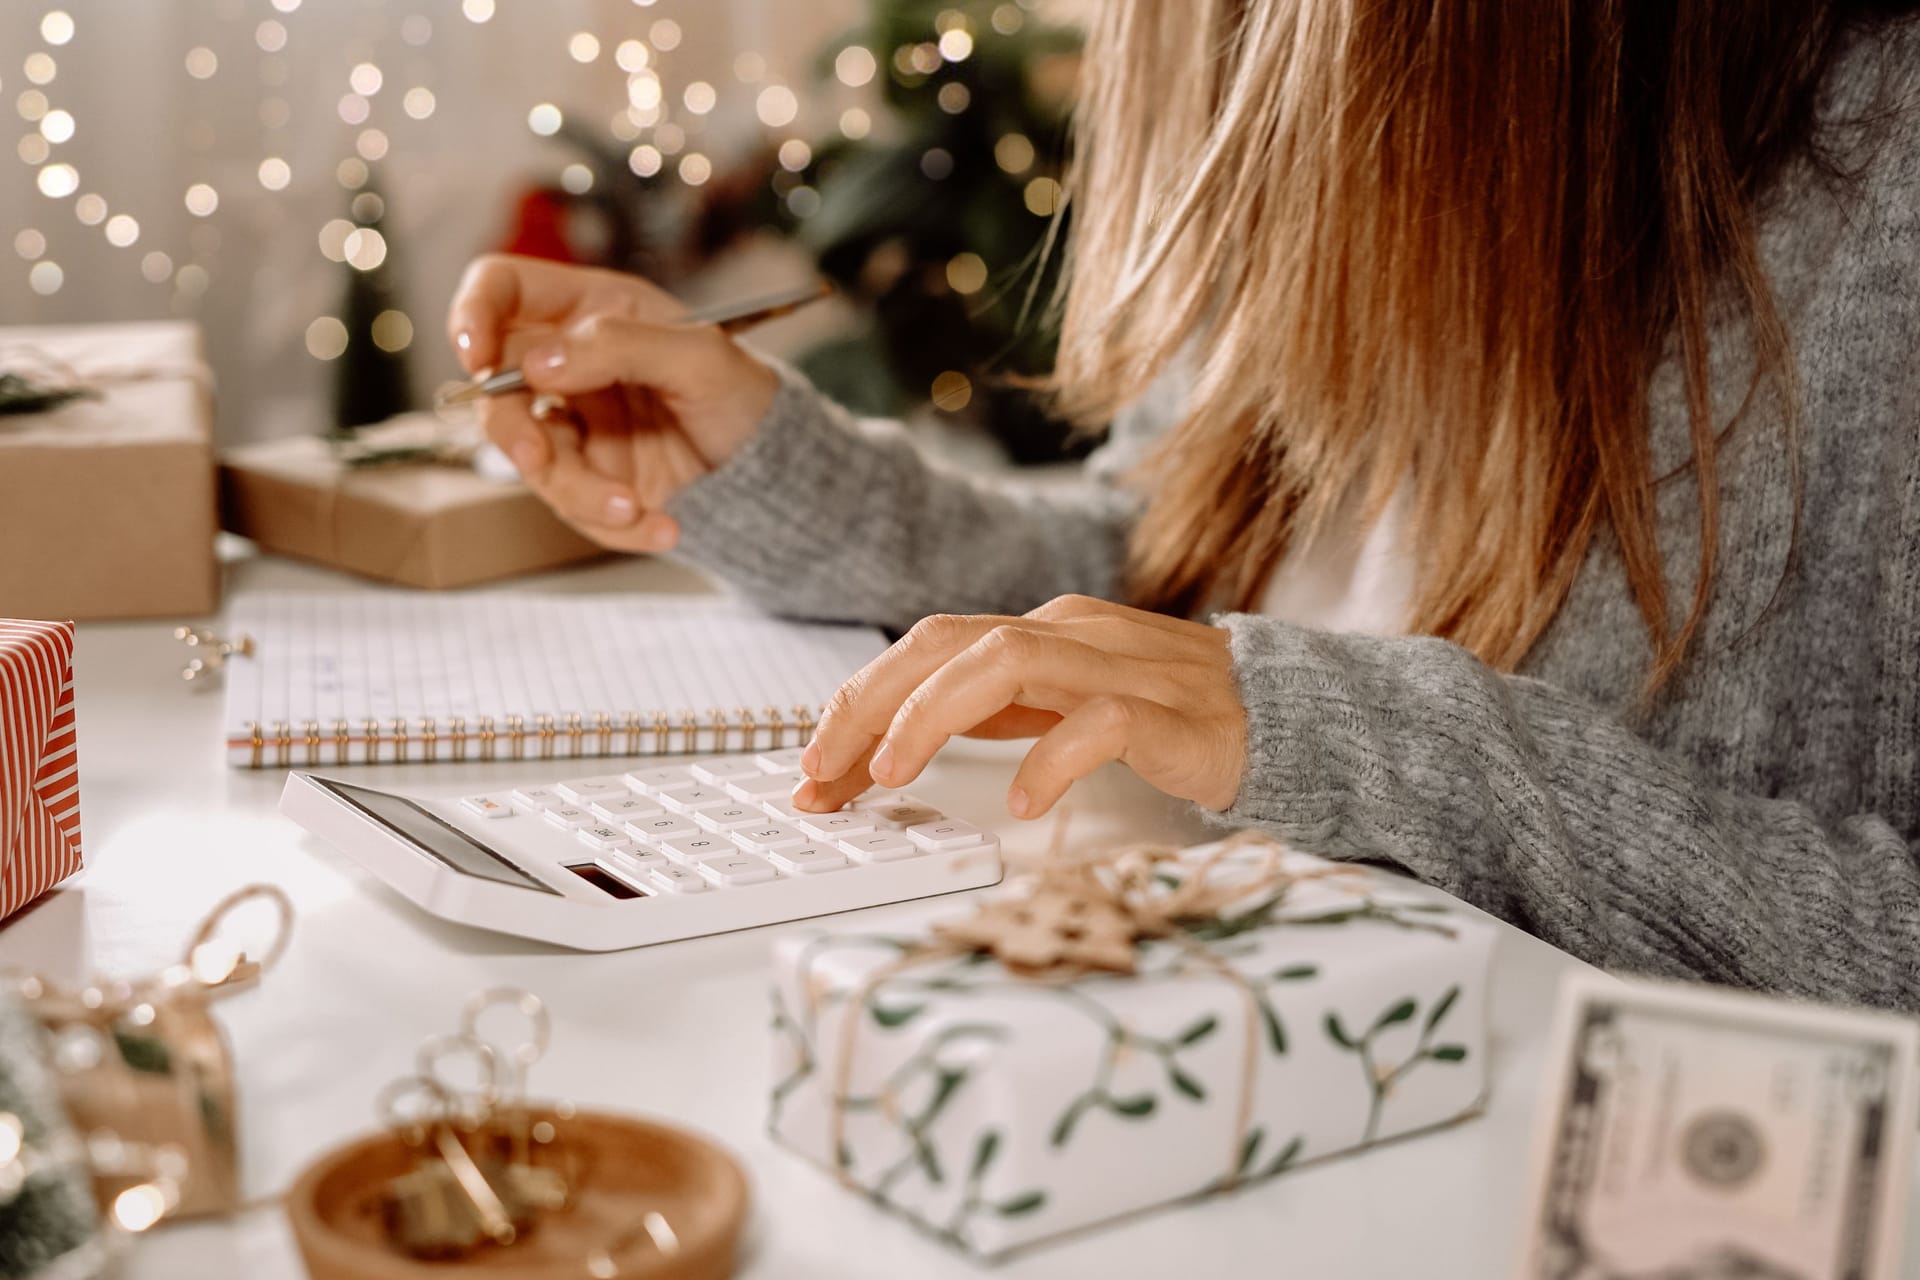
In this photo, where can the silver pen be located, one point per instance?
(731, 317)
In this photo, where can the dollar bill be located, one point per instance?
(1688, 1133)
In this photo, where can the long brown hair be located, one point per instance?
(1440, 245)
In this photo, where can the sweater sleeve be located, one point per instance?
(817, 517)
(1545, 810)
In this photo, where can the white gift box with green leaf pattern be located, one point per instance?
(997, 1110)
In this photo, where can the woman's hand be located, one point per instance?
(1093, 681)
(651, 404)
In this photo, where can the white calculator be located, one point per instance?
(604, 861)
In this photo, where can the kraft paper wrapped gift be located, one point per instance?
(425, 525)
(997, 1110)
(39, 761)
(107, 503)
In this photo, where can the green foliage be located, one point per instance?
(893, 213)
(897, 1016)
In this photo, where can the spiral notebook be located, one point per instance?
(397, 677)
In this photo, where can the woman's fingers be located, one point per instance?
(604, 351)
(500, 292)
(818, 796)
(1013, 664)
(861, 710)
(1101, 729)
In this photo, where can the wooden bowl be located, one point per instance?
(628, 1168)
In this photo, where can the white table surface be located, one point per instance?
(679, 1031)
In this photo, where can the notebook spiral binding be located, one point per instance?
(284, 744)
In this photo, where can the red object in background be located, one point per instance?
(39, 761)
(540, 227)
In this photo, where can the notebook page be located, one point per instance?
(342, 678)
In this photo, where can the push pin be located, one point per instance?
(216, 649)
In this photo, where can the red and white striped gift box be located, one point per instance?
(39, 761)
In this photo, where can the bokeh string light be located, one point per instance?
(668, 127)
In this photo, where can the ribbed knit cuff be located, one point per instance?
(1299, 738)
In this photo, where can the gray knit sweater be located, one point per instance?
(1758, 827)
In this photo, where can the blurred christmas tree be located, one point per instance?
(371, 377)
(937, 215)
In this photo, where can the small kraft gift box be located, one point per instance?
(1124, 1033)
(426, 524)
(107, 501)
(39, 761)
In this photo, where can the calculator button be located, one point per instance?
(770, 836)
(880, 846)
(833, 826)
(741, 868)
(807, 859)
(655, 782)
(784, 810)
(729, 817)
(583, 790)
(881, 798)
(623, 808)
(675, 879)
(537, 799)
(949, 834)
(660, 826)
(604, 838)
(898, 817)
(719, 772)
(487, 807)
(764, 786)
(694, 798)
(783, 761)
(568, 816)
(632, 864)
(693, 848)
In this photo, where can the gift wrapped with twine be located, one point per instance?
(1124, 1029)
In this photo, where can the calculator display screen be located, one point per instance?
(440, 840)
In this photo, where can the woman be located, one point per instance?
(1559, 355)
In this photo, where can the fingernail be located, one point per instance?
(881, 766)
(1018, 802)
(463, 340)
(549, 356)
(526, 457)
(620, 509)
(807, 793)
(810, 758)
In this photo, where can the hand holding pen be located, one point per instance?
(655, 397)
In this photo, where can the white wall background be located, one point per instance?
(144, 130)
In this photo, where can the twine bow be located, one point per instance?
(1075, 915)
(36, 381)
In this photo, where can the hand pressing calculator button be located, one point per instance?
(668, 850)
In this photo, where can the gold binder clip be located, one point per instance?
(210, 652)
